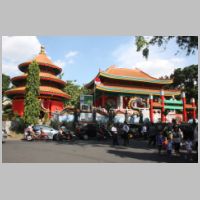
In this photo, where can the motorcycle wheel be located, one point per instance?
(85, 137)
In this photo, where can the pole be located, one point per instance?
(184, 107)
(94, 95)
(163, 106)
(151, 108)
(194, 109)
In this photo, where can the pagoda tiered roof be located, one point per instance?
(43, 76)
(43, 90)
(43, 60)
(48, 72)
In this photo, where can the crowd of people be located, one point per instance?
(168, 139)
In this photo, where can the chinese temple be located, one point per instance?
(51, 94)
(134, 92)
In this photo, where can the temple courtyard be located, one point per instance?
(81, 151)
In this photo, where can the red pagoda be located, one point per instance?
(51, 94)
(133, 91)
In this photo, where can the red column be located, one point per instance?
(103, 101)
(184, 107)
(163, 106)
(151, 108)
(194, 109)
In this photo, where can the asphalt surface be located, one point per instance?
(81, 151)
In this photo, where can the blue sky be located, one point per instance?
(81, 57)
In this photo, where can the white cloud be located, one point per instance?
(68, 60)
(60, 63)
(71, 54)
(18, 49)
(156, 66)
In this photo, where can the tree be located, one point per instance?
(74, 90)
(186, 79)
(185, 43)
(32, 104)
(5, 84)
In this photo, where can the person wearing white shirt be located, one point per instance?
(125, 133)
(114, 135)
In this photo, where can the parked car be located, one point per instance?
(86, 130)
(52, 133)
(4, 135)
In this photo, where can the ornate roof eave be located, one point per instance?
(91, 83)
(136, 91)
(128, 78)
(25, 64)
(57, 80)
(16, 92)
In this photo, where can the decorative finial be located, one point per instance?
(42, 50)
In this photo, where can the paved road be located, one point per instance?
(82, 152)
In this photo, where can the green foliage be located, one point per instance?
(18, 125)
(7, 112)
(55, 124)
(185, 43)
(186, 79)
(74, 91)
(5, 82)
(32, 104)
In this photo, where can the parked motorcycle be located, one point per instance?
(65, 134)
(103, 133)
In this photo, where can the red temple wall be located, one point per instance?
(18, 105)
(56, 105)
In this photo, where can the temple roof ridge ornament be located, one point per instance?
(42, 50)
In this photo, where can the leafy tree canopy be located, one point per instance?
(74, 90)
(186, 79)
(5, 82)
(185, 43)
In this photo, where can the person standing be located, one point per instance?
(188, 146)
(159, 142)
(125, 133)
(114, 135)
(152, 134)
(169, 147)
(144, 131)
(177, 137)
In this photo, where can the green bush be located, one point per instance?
(18, 125)
(55, 124)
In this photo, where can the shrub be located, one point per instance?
(55, 124)
(18, 125)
